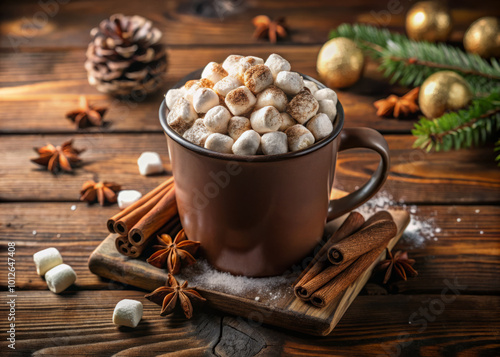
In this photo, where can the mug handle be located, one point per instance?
(351, 138)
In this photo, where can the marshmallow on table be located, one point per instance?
(127, 313)
(258, 77)
(182, 116)
(320, 126)
(46, 259)
(303, 107)
(231, 62)
(326, 93)
(220, 143)
(290, 82)
(205, 99)
(60, 278)
(274, 96)
(173, 96)
(240, 100)
(328, 107)
(127, 198)
(286, 121)
(216, 119)
(313, 88)
(247, 144)
(237, 126)
(150, 163)
(214, 72)
(198, 133)
(265, 120)
(299, 137)
(274, 143)
(277, 64)
(226, 85)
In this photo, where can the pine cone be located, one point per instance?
(125, 56)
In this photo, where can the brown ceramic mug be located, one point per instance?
(258, 215)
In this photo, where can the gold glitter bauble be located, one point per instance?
(428, 21)
(340, 62)
(483, 37)
(442, 91)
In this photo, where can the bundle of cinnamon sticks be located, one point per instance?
(138, 224)
(344, 257)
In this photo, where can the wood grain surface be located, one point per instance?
(456, 194)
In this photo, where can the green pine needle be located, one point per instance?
(410, 63)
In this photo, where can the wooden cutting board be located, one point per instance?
(281, 309)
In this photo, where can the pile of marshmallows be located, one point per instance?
(246, 107)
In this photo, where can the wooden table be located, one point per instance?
(42, 76)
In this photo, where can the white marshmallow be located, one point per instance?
(127, 198)
(227, 84)
(265, 120)
(290, 82)
(214, 72)
(127, 313)
(193, 85)
(216, 119)
(277, 64)
(60, 278)
(328, 107)
(320, 126)
(182, 116)
(150, 163)
(258, 77)
(286, 121)
(299, 137)
(198, 133)
(46, 259)
(173, 96)
(274, 96)
(274, 143)
(247, 144)
(237, 126)
(230, 64)
(220, 143)
(326, 93)
(245, 63)
(240, 100)
(311, 86)
(205, 99)
(303, 107)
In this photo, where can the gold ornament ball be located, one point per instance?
(428, 21)
(442, 91)
(483, 37)
(340, 62)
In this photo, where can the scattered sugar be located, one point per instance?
(34, 233)
(459, 219)
(203, 275)
(481, 232)
(73, 208)
(437, 230)
(477, 211)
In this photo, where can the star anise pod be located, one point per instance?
(398, 106)
(167, 297)
(270, 29)
(86, 115)
(174, 252)
(58, 158)
(400, 263)
(104, 192)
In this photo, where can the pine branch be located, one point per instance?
(462, 129)
(410, 63)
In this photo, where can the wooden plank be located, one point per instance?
(415, 176)
(39, 88)
(76, 233)
(29, 25)
(73, 325)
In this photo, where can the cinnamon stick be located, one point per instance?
(163, 211)
(127, 222)
(350, 225)
(111, 222)
(122, 245)
(328, 293)
(378, 216)
(362, 241)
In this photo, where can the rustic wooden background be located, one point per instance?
(41, 74)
